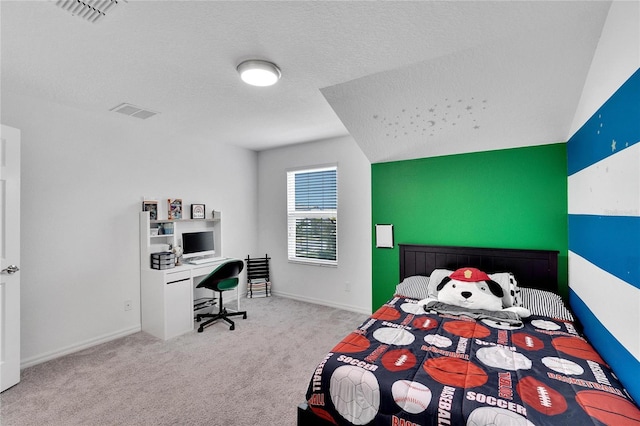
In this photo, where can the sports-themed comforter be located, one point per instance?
(406, 367)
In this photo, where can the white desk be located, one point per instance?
(167, 298)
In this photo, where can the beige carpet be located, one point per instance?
(255, 375)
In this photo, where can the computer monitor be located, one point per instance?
(198, 244)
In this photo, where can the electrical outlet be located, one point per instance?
(127, 305)
(347, 286)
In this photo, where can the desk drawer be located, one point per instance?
(202, 271)
(173, 277)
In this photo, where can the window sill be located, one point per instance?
(311, 263)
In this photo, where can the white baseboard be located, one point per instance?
(48, 356)
(39, 359)
(351, 308)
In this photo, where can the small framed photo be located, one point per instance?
(151, 207)
(174, 208)
(197, 211)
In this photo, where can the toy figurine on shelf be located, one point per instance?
(178, 251)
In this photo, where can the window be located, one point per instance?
(312, 215)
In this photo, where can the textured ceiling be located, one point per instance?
(405, 79)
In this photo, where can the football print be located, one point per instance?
(398, 360)
(527, 341)
(541, 397)
(425, 323)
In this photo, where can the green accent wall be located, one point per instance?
(514, 198)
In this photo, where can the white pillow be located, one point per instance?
(506, 280)
(414, 287)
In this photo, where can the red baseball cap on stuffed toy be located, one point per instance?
(470, 275)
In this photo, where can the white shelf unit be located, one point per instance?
(149, 227)
(167, 295)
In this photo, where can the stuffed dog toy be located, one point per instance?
(473, 289)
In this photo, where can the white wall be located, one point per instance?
(349, 285)
(83, 177)
(616, 58)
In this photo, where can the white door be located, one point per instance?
(9, 257)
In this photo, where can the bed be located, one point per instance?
(405, 366)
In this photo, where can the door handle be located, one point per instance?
(11, 269)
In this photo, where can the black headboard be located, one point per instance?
(532, 268)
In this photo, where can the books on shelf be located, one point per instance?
(258, 288)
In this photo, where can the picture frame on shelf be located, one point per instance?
(151, 207)
(198, 211)
(174, 208)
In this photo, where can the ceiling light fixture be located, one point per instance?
(259, 73)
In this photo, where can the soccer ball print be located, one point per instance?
(494, 416)
(355, 393)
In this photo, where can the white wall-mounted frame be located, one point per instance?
(384, 236)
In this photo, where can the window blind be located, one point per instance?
(312, 213)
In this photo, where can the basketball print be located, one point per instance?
(386, 313)
(412, 308)
(576, 347)
(467, 329)
(393, 336)
(501, 357)
(412, 397)
(355, 394)
(455, 372)
(608, 408)
(354, 342)
(527, 341)
(494, 416)
(438, 340)
(541, 397)
(425, 323)
(398, 360)
(562, 366)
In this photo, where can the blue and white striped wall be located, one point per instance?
(604, 230)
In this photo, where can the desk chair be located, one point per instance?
(223, 278)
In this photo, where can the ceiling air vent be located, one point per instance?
(133, 111)
(89, 10)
